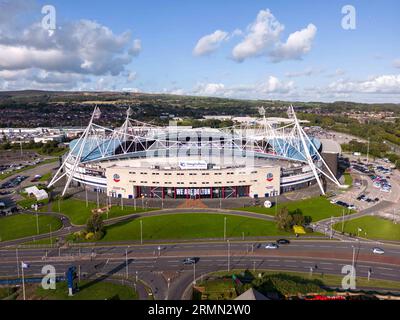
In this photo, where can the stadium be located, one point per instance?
(260, 159)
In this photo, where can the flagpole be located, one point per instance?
(23, 282)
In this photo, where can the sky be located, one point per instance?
(248, 49)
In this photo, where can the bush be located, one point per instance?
(89, 236)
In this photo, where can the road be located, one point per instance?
(155, 263)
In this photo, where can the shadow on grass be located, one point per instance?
(106, 276)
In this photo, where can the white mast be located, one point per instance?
(81, 143)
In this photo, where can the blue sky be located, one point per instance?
(322, 62)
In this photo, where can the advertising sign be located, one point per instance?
(193, 165)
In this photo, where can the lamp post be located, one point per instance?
(126, 263)
(141, 231)
(194, 272)
(229, 256)
(343, 220)
(51, 237)
(168, 283)
(224, 228)
(37, 223)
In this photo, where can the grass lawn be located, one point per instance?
(376, 228)
(46, 177)
(221, 287)
(318, 208)
(88, 291)
(191, 226)
(77, 211)
(348, 179)
(24, 225)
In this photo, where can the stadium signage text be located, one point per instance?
(190, 165)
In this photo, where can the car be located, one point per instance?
(190, 261)
(378, 251)
(376, 199)
(351, 207)
(282, 241)
(271, 246)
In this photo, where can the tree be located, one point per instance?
(284, 220)
(95, 224)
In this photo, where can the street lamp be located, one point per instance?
(126, 262)
(141, 231)
(229, 256)
(224, 228)
(194, 272)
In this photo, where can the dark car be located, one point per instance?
(190, 261)
(282, 241)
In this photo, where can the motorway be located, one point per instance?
(155, 263)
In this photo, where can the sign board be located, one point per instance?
(193, 165)
(267, 204)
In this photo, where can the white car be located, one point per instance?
(333, 201)
(378, 251)
(271, 246)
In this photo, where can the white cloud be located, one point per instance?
(304, 73)
(338, 72)
(298, 44)
(274, 85)
(263, 39)
(77, 49)
(262, 34)
(210, 43)
(132, 76)
(136, 47)
(210, 89)
(384, 84)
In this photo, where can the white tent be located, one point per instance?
(39, 194)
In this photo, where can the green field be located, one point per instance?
(77, 211)
(24, 225)
(46, 177)
(318, 208)
(191, 226)
(376, 228)
(222, 285)
(88, 291)
(348, 180)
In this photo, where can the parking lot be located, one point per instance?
(372, 183)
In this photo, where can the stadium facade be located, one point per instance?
(262, 159)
